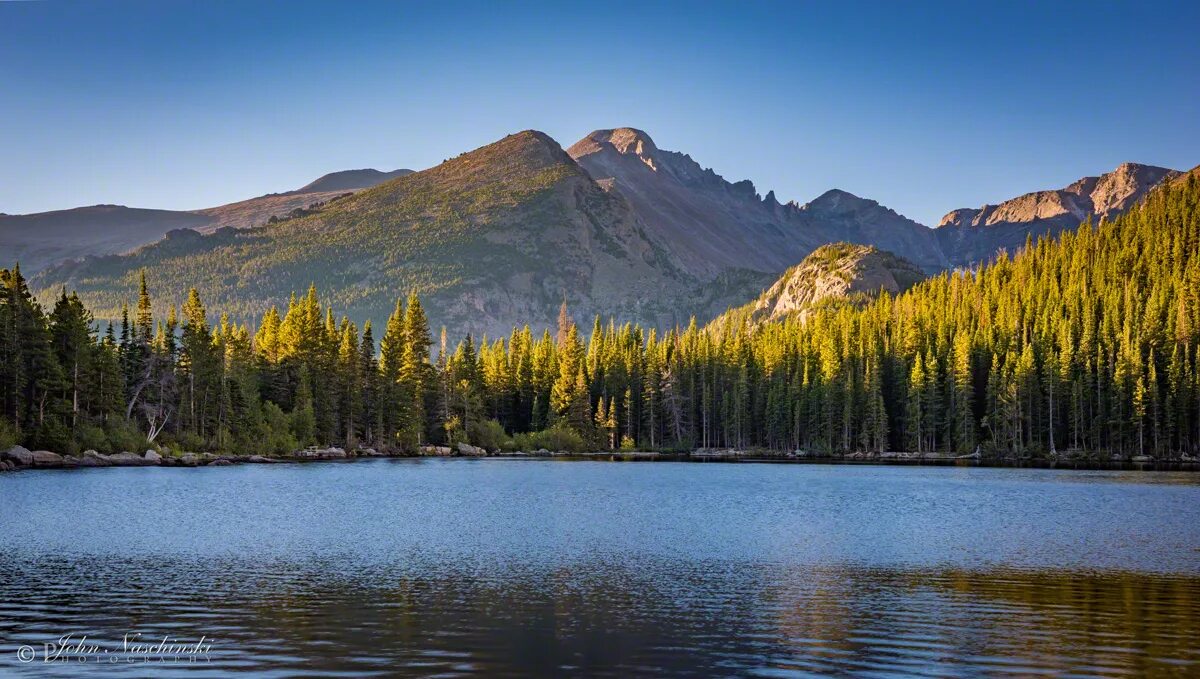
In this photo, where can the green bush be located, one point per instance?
(488, 434)
(124, 436)
(304, 425)
(189, 442)
(90, 437)
(53, 435)
(276, 437)
(8, 435)
(560, 437)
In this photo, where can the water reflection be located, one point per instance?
(605, 618)
(533, 568)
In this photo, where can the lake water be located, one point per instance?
(551, 568)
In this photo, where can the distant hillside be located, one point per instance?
(350, 180)
(838, 271)
(502, 233)
(41, 239)
(968, 236)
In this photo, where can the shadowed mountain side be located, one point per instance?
(45, 238)
(713, 225)
(41, 239)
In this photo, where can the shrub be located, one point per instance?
(89, 437)
(558, 437)
(304, 424)
(189, 442)
(124, 436)
(8, 435)
(275, 437)
(488, 434)
(52, 435)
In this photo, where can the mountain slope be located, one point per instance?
(501, 233)
(837, 271)
(968, 236)
(38, 240)
(350, 180)
(715, 226)
(41, 239)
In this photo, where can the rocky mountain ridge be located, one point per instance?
(837, 271)
(968, 236)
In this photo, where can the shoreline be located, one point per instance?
(20, 459)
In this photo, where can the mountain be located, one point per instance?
(841, 271)
(714, 226)
(502, 233)
(350, 180)
(41, 239)
(969, 236)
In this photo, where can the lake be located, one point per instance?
(548, 568)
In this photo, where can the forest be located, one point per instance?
(1088, 343)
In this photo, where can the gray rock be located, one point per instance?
(45, 458)
(153, 457)
(20, 456)
(219, 463)
(469, 450)
(189, 460)
(259, 459)
(128, 459)
(91, 458)
(436, 451)
(1141, 459)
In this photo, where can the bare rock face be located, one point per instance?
(714, 226)
(45, 458)
(968, 236)
(20, 456)
(838, 271)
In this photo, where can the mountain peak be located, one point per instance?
(625, 140)
(350, 180)
(837, 201)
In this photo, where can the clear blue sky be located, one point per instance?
(923, 107)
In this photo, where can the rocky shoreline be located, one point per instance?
(18, 458)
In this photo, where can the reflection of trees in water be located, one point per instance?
(621, 618)
(1088, 622)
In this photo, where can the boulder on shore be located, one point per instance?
(19, 456)
(468, 450)
(152, 456)
(259, 459)
(315, 453)
(45, 458)
(91, 458)
(219, 462)
(436, 451)
(128, 459)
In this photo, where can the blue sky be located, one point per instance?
(924, 107)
